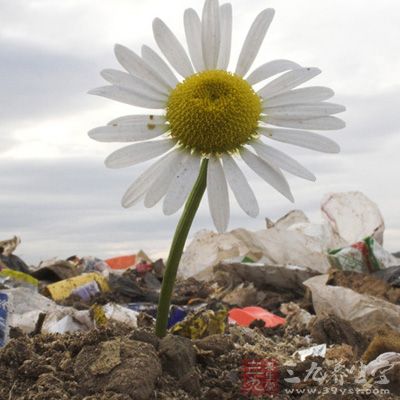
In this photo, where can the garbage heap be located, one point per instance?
(297, 310)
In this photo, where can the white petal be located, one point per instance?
(309, 140)
(288, 81)
(269, 69)
(304, 111)
(160, 186)
(182, 185)
(254, 40)
(172, 48)
(162, 68)
(127, 96)
(127, 133)
(138, 120)
(225, 13)
(281, 160)
(218, 198)
(324, 123)
(140, 186)
(193, 38)
(270, 174)
(137, 153)
(137, 85)
(310, 94)
(240, 187)
(210, 33)
(136, 66)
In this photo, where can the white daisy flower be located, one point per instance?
(204, 111)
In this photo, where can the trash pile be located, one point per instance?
(293, 311)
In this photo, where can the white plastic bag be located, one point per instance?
(292, 240)
(365, 313)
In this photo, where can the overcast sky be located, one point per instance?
(56, 193)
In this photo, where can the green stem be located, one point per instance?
(178, 243)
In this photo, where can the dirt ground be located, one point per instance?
(116, 363)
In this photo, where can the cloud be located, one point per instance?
(74, 204)
(40, 83)
(56, 192)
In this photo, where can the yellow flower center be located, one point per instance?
(213, 112)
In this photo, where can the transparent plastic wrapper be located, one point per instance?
(118, 313)
(366, 314)
(85, 292)
(391, 275)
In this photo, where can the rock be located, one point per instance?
(218, 344)
(16, 352)
(128, 367)
(365, 284)
(190, 383)
(108, 359)
(143, 335)
(393, 375)
(178, 355)
(334, 330)
(383, 342)
(342, 352)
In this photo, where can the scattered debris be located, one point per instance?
(366, 314)
(314, 351)
(63, 289)
(281, 301)
(245, 316)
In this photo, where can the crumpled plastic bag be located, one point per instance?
(118, 313)
(102, 315)
(353, 216)
(25, 306)
(367, 314)
(292, 240)
(302, 245)
(67, 319)
(365, 256)
(384, 361)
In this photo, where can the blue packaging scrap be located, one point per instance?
(176, 314)
(3, 318)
